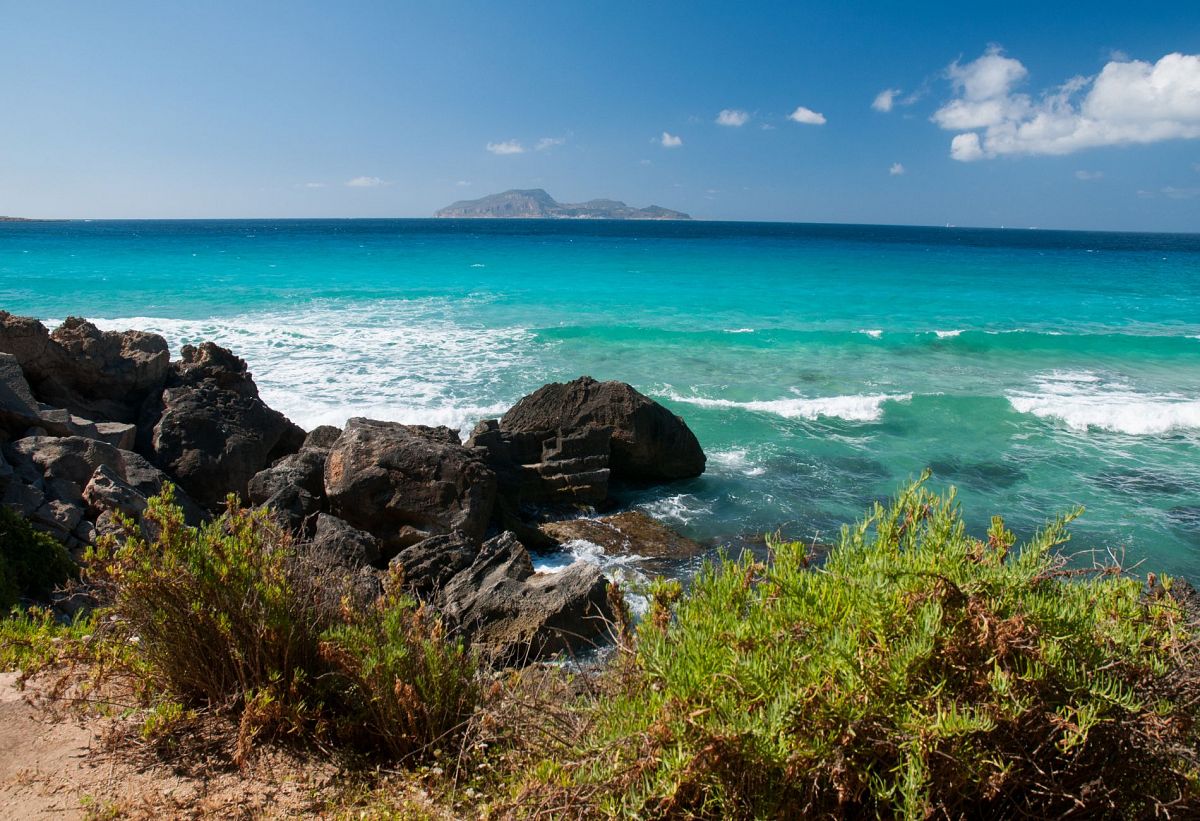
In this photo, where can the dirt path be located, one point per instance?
(55, 764)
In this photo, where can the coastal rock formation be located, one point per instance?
(629, 532)
(335, 537)
(547, 467)
(648, 442)
(213, 433)
(405, 483)
(429, 564)
(71, 486)
(518, 615)
(98, 375)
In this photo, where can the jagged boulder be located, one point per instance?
(105, 376)
(304, 469)
(18, 408)
(69, 485)
(629, 532)
(649, 443)
(344, 542)
(405, 483)
(429, 564)
(214, 433)
(517, 615)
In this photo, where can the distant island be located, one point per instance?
(537, 204)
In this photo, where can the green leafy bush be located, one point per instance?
(32, 564)
(917, 672)
(235, 615)
(411, 686)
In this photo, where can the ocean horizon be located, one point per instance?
(820, 365)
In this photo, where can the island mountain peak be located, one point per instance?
(536, 203)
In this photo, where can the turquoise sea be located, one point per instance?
(820, 365)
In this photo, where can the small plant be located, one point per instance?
(918, 672)
(411, 686)
(32, 564)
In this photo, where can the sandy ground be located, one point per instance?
(58, 763)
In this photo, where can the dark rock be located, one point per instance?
(649, 443)
(59, 518)
(517, 615)
(214, 433)
(18, 408)
(65, 468)
(305, 470)
(322, 437)
(628, 533)
(342, 540)
(429, 564)
(406, 483)
(546, 468)
(292, 506)
(108, 491)
(104, 376)
(23, 498)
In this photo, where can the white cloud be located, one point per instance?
(767, 127)
(965, 147)
(733, 116)
(365, 182)
(546, 143)
(806, 116)
(1181, 193)
(645, 162)
(1128, 102)
(1087, 176)
(897, 169)
(463, 183)
(885, 99)
(506, 147)
(670, 140)
(312, 185)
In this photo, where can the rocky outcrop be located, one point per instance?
(517, 615)
(405, 483)
(629, 532)
(214, 433)
(430, 564)
(649, 443)
(72, 486)
(555, 468)
(348, 544)
(93, 374)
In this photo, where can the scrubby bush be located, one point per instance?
(237, 616)
(410, 685)
(32, 564)
(917, 672)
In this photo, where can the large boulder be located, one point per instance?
(343, 542)
(649, 443)
(214, 433)
(18, 409)
(516, 615)
(405, 483)
(106, 376)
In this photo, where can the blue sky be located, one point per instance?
(270, 109)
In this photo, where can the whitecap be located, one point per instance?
(739, 330)
(736, 460)
(853, 408)
(620, 569)
(947, 334)
(682, 508)
(1083, 400)
(874, 333)
(396, 360)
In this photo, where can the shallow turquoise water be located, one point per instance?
(819, 365)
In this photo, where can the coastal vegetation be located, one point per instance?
(915, 671)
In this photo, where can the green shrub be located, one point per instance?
(32, 564)
(918, 671)
(412, 687)
(234, 615)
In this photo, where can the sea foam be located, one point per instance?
(1084, 400)
(853, 408)
(396, 360)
